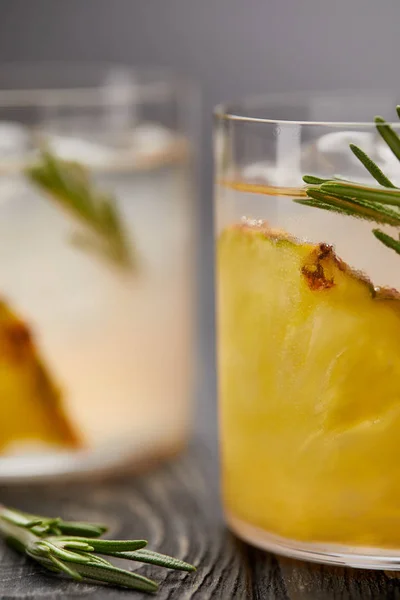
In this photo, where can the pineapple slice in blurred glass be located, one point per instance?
(31, 411)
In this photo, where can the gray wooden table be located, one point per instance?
(176, 507)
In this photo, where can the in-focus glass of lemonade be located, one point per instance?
(96, 270)
(308, 335)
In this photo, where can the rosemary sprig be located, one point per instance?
(387, 240)
(69, 185)
(358, 200)
(72, 548)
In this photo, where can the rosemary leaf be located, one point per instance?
(68, 528)
(116, 576)
(76, 528)
(362, 192)
(38, 550)
(318, 199)
(355, 207)
(98, 559)
(398, 110)
(62, 567)
(33, 523)
(63, 554)
(45, 529)
(371, 167)
(322, 205)
(388, 135)
(387, 240)
(155, 558)
(310, 179)
(78, 546)
(107, 546)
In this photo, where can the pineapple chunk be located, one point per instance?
(30, 403)
(309, 385)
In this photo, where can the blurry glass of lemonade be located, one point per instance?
(308, 311)
(96, 267)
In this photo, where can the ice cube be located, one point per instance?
(330, 155)
(151, 138)
(84, 151)
(15, 140)
(326, 156)
(15, 149)
(339, 141)
(267, 173)
(121, 96)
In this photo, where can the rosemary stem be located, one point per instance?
(18, 534)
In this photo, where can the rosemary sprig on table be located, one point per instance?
(73, 548)
(378, 204)
(69, 185)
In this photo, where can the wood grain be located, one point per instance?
(176, 507)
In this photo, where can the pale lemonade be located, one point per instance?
(117, 344)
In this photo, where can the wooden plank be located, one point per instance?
(176, 507)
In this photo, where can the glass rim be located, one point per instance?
(148, 84)
(236, 110)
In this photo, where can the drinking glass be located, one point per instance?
(96, 268)
(308, 312)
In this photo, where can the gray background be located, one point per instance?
(231, 47)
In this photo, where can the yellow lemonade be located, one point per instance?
(309, 385)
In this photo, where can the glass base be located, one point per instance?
(359, 557)
(113, 459)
